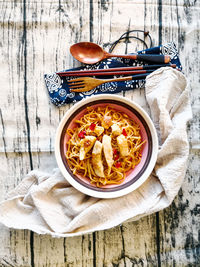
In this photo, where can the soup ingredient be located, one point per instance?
(123, 145)
(97, 159)
(98, 130)
(92, 126)
(82, 134)
(86, 144)
(116, 154)
(116, 130)
(118, 164)
(108, 152)
(106, 122)
(124, 132)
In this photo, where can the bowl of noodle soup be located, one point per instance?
(106, 146)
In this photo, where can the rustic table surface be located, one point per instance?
(35, 39)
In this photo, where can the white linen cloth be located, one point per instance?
(48, 204)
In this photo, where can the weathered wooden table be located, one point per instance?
(35, 38)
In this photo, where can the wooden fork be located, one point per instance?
(85, 84)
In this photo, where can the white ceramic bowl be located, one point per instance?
(135, 177)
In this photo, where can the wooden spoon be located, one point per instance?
(90, 53)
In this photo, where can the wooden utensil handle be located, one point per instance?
(109, 73)
(128, 78)
(119, 79)
(112, 71)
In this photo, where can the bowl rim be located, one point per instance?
(119, 192)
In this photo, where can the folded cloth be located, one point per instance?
(48, 204)
(58, 87)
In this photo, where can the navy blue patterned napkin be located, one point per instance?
(59, 91)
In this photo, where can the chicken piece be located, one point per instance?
(98, 130)
(96, 159)
(116, 130)
(86, 144)
(108, 152)
(107, 122)
(123, 145)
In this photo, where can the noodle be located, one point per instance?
(86, 125)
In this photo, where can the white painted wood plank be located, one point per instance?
(179, 224)
(15, 246)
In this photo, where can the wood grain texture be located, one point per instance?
(35, 38)
(180, 224)
(14, 163)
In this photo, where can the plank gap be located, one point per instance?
(158, 239)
